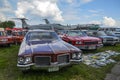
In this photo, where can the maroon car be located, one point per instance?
(4, 39)
(44, 49)
(81, 40)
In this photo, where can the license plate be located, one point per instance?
(92, 47)
(51, 69)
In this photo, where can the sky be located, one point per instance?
(103, 12)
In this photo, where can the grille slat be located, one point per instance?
(42, 61)
(63, 59)
(90, 43)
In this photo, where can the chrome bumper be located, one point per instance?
(110, 42)
(53, 65)
(90, 47)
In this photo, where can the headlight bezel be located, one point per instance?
(24, 60)
(78, 42)
(104, 40)
(76, 56)
(99, 42)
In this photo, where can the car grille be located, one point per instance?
(110, 39)
(42, 61)
(90, 43)
(63, 59)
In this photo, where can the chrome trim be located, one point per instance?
(26, 65)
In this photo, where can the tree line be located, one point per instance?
(7, 24)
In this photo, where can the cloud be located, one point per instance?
(2, 17)
(41, 8)
(93, 11)
(70, 1)
(109, 21)
(5, 7)
(94, 22)
(86, 1)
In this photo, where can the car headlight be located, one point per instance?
(76, 55)
(21, 60)
(28, 60)
(104, 40)
(78, 42)
(24, 60)
(99, 42)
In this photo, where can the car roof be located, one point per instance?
(36, 30)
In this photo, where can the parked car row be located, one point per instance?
(44, 49)
(11, 36)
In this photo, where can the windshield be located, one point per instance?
(76, 33)
(117, 29)
(2, 33)
(110, 33)
(38, 36)
(20, 33)
(101, 33)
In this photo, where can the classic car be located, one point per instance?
(111, 33)
(107, 40)
(43, 49)
(18, 35)
(81, 40)
(4, 39)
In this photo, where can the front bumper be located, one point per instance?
(110, 42)
(53, 67)
(90, 47)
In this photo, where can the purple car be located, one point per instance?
(43, 49)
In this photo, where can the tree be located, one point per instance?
(6, 24)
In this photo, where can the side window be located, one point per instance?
(95, 33)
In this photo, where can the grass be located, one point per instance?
(9, 70)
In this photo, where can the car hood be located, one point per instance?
(46, 48)
(85, 38)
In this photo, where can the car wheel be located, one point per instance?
(70, 42)
(8, 45)
(25, 71)
(114, 44)
(16, 43)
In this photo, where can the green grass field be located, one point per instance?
(9, 70)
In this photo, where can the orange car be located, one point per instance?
(5, 40)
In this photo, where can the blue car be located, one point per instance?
(107, 40)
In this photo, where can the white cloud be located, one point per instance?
(95, 22)
(41, 8)
(109, 21)
(118, 23)
(70, 1)
(2, 17)
(86, 1)
(93, 11)
(5, 8)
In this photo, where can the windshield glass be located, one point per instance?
(110, 33)
(76, 33)
(2, 33)
(101, 33)
(20, 33)
(38, 36)
(117, 29)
